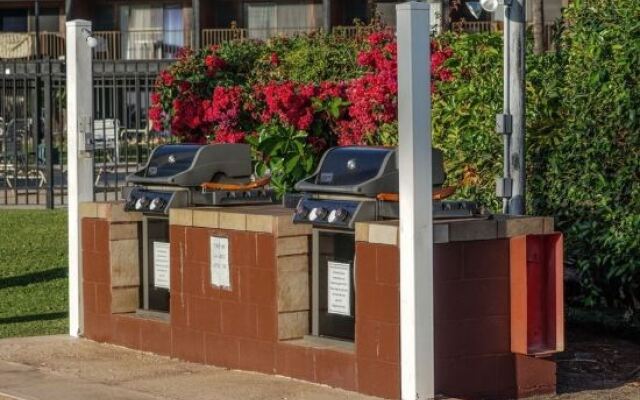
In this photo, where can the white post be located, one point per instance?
(416, 214)
(79, 154)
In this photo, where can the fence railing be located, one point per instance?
(32, 133)
(123, 138)
(151, 44)
(477, 26)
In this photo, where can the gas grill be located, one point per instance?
(354, 184)
(185, 175)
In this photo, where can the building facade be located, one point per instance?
(156, 29)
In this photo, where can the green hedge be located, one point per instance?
(585, 168)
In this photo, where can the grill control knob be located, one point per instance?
(337, 215)
(141, 203)
(156, 204)
(302, 211)
(317, 213)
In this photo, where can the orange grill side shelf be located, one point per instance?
(231, 187)
(438, 194)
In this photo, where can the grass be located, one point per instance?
(33, 272)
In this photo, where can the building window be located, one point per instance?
(264, 20)
(151, 31)
(14, 21)
(49, 20)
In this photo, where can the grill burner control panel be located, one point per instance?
(333, 213)
(238, 197)
(153, 201)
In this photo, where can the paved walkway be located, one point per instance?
(62, 368)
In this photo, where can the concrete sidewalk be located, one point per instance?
(62, 368)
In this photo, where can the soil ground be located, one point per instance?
(61, 368)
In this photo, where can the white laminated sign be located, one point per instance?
(339, 288)
(219, 250)
(161, 265)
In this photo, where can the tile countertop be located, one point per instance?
(278, 220)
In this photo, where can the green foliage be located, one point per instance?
(284, 153)
(586, 170)
(310, 58)
(33, 272)
(463, 113)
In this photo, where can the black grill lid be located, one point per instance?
(190, 165)
(362, 170)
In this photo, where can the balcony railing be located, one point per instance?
(22, 45)
(162, 44)
(140, 44)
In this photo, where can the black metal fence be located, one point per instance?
(33, 128)
(32, 133)
(122, 133)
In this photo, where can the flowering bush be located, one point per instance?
(238, 92)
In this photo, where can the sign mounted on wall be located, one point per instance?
(339, 288)
(219, 259)
(161, 265)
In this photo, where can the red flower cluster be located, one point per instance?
(289, 102)
(187, 115)
(156, 112)
(353, 112)
(214, 64)
(224, 107)
(438, 72)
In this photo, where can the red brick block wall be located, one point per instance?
(237, 327)
(472, 324)
(234, 328)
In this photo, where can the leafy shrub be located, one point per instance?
(289, 98)
(587, 168)
(463, 114)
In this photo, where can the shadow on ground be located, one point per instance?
(33, 317)
(34, 277)
(597, 362)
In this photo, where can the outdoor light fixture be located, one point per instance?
(492, 5)
(92, 42)
(489, 5)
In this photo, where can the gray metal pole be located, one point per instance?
(195, 28)
(326, 14)
(506, 107)
(517, 43)
(37, 27)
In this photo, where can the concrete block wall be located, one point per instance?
(258, 323)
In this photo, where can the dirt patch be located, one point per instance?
(597, 367)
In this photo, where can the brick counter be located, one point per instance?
(472, 309)
(259, 323)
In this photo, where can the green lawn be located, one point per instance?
(33, 272)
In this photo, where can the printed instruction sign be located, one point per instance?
(161, 263)
(219, 250)
(339, 288)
